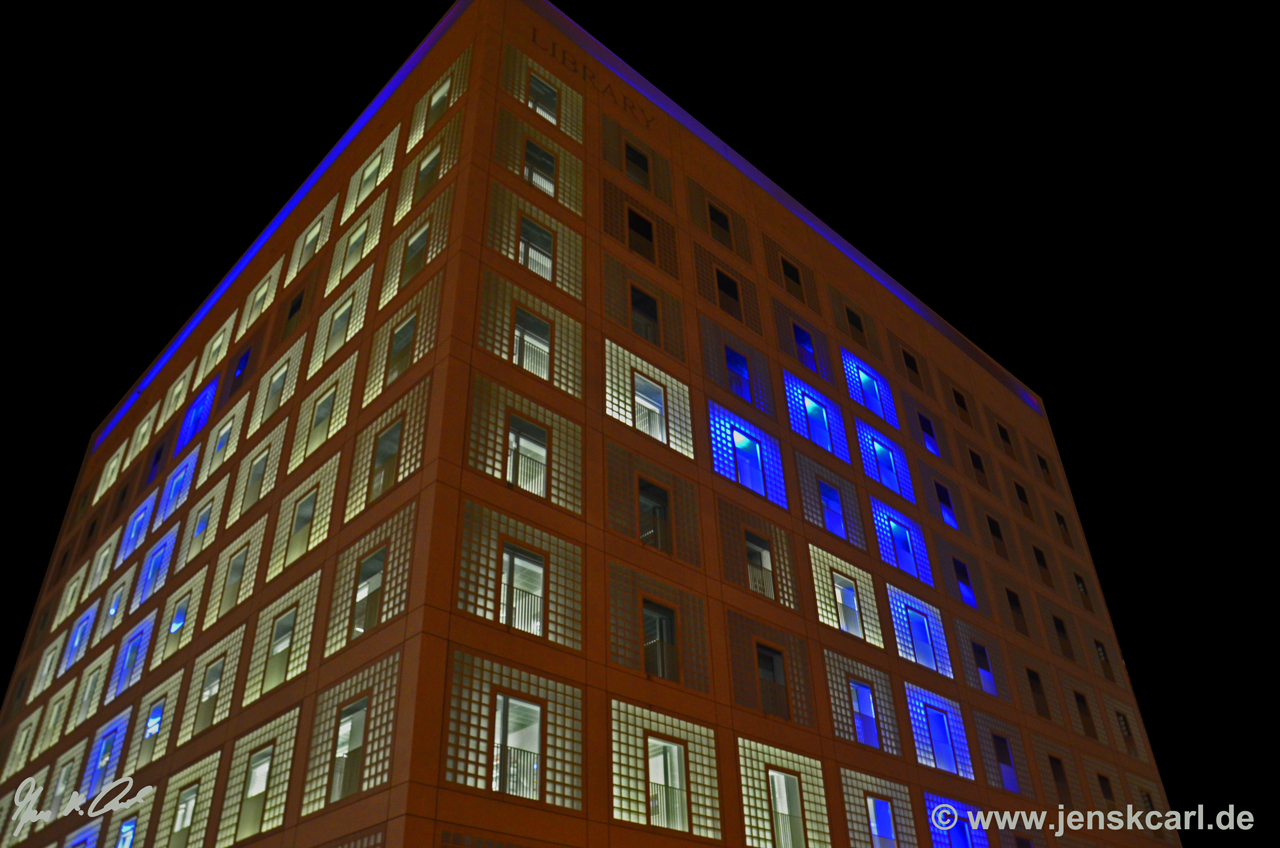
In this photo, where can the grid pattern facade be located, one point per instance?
(619, 395)
(250, 541)
(396, 535)
(734, 522)
(618, 281)
(517, 67)
(468, 756)
(797, 391)
(840, 669)
(756, 759)
(825, 566)
(857, 786)
(714, 341)
(627, 590)
(723, 453)
(303, 597)
(899, 603)
(810, 473)
(449, 142)
(631, 726)
(917, 700)
(509, 153)
(168, 691)
(744, 635)
(322, 482)
(281, 735)
(436, 216)
(411, 408)
(881, 516)
(357, 302)
(424, 307)
(506, 208)
(480, 571)
(622, 469)
(496, 321)
(203, 772)
(985, 726)
(377, 681)
(227, 649)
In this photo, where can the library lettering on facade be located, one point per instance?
(546, 476)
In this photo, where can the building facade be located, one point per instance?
(545, 476)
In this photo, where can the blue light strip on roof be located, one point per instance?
(387, 90)
(603, 54)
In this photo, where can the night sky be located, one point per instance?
(1033, 193)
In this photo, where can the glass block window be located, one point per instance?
(55, 718)
(154, 568)
(497, 333)
(224, 439)
(187, 799)
(318, 489)
(866, 795)
(417, 246)
(301, 598)
(509, 152)
(622, 402)
(901, 541)
(236, 571)
(201, 528)
(432, 162)
(135, 529)
(756, 760)
(280, 734)
(110, 472)
(132, 658)
(310, 239)
(197, 416)
(745, 453)
(480, 574)
(323, 413)
(392, 540)
(277, 385)
(869, 388)
(404, 339)
(507, 210)
(446, 91)
(227, 652)
(176, 395)
(340, 323)
(815, 416)
(627, 590)
(830, 501)
(104, 755)
(839, 583)
(884, 461)
(21, 745)
(849, 717)
(101, 567)
(78, 640)
(178, 623)
(153, 723)
(635, 796)
(487, 448)
(746, 637)
(468, 755)
(66, 770)
(918, 629)
(529, 82)
(937, 729)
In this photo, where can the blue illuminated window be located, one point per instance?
(136, 529)
(155, 567)
(983, 662)
(815, 416)
(1004, 756)
(901, 541)
(177, 486)
(154, 720)
(918, 629)
(961, 835)
(864, 714)
(128, 828)
(930, 438)
(964, 582)
(804, 348)
(880, 819)
(202, 521)
(885, 461)
(132, 653)
(180, 615)
(738, 372)
(944, 505)
(100, 762)
(79, 641)
(869, 389)
(939, 733)
(197, 416)
(832, 509)
(745, 453)
(241, 364)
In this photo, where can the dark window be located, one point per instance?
(640, 234)
(527, 456)
(1104, 784)
(660, 657)
(292, 315)
(1062, 528)
(1015, 607)
(791, 275)
(540, 168)
(1004, 756)
(415, 254)
(727, 289)
(428, 173)
(1044, 469)
(964, 582)
(773, 682)
(759, 564)
(997, 537)
(1037, 693)
(1086, 716)
(945, 506)
(637, 165)
(1005, 441)
(386, 460)
(983, 662)
(1023, 501)
(962, 407)
(1106, 663)
(655, 528)
(401, 351)
(1060, 781)
(913, 370)
(1064, 641)
(644, 315)
(979, 470)
(1043, 565)
(738, 373)
(1084, 593)
(930, 437)
(720, 229)
(544, 99)
(855, 326)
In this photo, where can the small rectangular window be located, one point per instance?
(997, 537)
(386, 460)
(773, 682)
(913, 369)
(1015, 608)
(176, 625)
(1062, 528)
(640, 234)
(1044, 470)
(903, 547)
(1042, 565)
(310, 243)
(517, 747)
(804, 348)
(644, 315)
(1060, 782)
(637, 164)
(439, 103)
(279, 650)
(544, 99)
(815, 415)
(944, 505)
(321, 418)
(338, 326)
(275, 392)
(985, 675)
(921, 640)
(759, 564)
(748, 461)
(527, 456)
(856, 329)
(368, 604)
(864, 714)
(650, 407)
(1102, 659)
(255, 794)
(155, 720)
(832, 509)
(788, 816)
(415, 254)
(300, 534)
(400, 355)
(939, 723)
(721, 231)
(727, 294)
(428, 174)
(1038, 696)
(880, 818)
(1086, 716)
(235, 574)
(1064, 641)
(536, 246)
(738, 373)
(531, 347)
(523, 574)
(369, 178)
(847, 605)
(930, 438)
(348, 758)
(791, 275)
(1004, 757)
(668, 804)
(355, 248)
(965, 583)
(962, 407)
(183, 815)
(660, 656)
(209, 694)
(654, 505)
(540, 168)
(1083, 591)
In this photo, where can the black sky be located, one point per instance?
(1035, 182)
